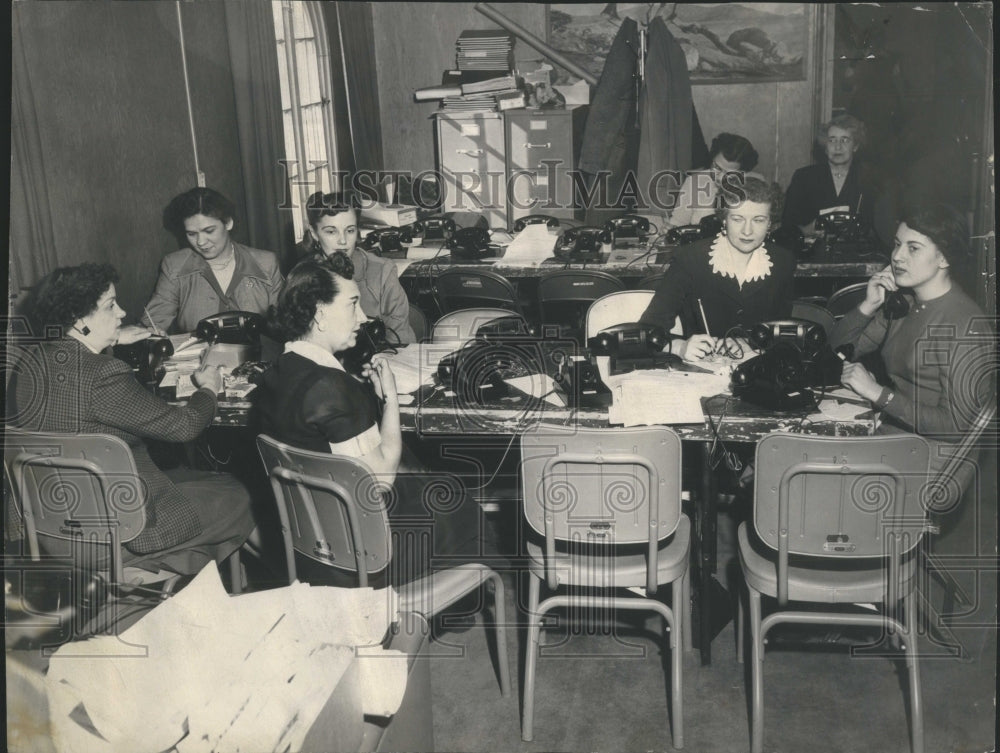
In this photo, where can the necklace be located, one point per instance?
(839, 174)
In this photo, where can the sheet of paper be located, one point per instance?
(416, 364)
(531, 246)
(642, 398)
(838, 411)
(539, 385)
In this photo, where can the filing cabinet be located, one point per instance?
(472, 164)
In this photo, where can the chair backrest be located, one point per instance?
(461, 289)
(839, 497)
(418, 323)
(846, 299)
(331, 509)
(815, 313)
(77, 495)
(565, 296)
(617, 308)
(461, 326)
(957, 472)
(650, 281)
(601, 486)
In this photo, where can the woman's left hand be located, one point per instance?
(858, 378)
(382, 378)
(132, 334)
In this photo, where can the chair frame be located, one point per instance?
(901, 530)
(445, 296)
(844, 292)
(658, 527)
(553, 279)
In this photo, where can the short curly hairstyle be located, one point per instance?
(308, 285)
(737, 188)
(206, 201)
(849, 123)
(734, 148)
(321, 205)
(945, 226)
(69, 293)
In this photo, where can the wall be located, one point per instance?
(107, 87)
(415, 42)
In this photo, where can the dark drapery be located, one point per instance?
(32, 237)
(257, 93)
(359, 139)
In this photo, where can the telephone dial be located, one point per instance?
(434, 228)
(631, 346)
(478, 371)
(146, 357)
(370, 340)
(470, 244)
(231, 328)
(387, 242)
(775, 379)
(551, 223)
(582, 244)
(628, 227)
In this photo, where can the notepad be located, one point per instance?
(531, 246)
(644, 398)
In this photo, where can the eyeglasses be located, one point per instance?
(840, 140)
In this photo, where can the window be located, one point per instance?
(306, 100)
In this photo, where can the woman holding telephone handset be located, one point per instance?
(934, 340)
(307, 399)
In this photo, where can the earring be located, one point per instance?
(85, 331)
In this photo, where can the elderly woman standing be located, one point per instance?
(735, 278)
(68, 384)
(837, 181)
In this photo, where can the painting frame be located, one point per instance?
(731, 43)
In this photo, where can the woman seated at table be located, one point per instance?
(215, 273)
(837, 181)
(937, 348)
(68, 384)
(699, 193)
(333, 227)
(736, 278)
(307, 400)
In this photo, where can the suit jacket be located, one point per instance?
(61, 386)
(690, 278)
(187, 291)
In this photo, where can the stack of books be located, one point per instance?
(484, 50)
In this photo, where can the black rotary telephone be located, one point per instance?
(146, 357)
(434, 228)
(630, 346)
(628, 227)
(470, 244)
(896, 305)
(684, 234)
(231, 327)
(777, 379)
(536, 219)
(387, 242)
(371, 340)
(582, 244)
(807, 336)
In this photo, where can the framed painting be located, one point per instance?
(724, 43)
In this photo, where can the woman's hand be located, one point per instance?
(879, 283)
(858, 378)
(133, 333)
(209, 377)
(382, 378)
(695, 347)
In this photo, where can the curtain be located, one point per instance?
(257, 93)
(32, 236)
(359, 139)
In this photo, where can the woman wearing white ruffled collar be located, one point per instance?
(737, 278)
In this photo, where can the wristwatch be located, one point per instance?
(884, 398)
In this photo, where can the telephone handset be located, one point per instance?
(231, 327)
(895, 306)
(434, 228)
(628, 226)
(834, 221)
(470, 244)
(550, 222)
(631, 346)
(370, 340)
(582, 244)
(387, 242)
(684, 234)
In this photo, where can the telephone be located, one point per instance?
(470, 244)
(845, 233)
(370, 340)
(582, 244)
(387, 242)
(788, 237)
(896, 305)
(476, 373)
(835, 222)
(807, 336)
(631, 346)
(684, 234)
(231, 328)
(434, 228)
(628, 226)
(146, 357)
(536, 219)
(776, 379)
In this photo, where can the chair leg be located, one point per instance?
(534, 625)
(739, 627)
(686, 615)
(756, 675)
(916, 698)
(235, 573)
(500, 628)
(676, 659)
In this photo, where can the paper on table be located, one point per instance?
(838, 411)
(538, 385)
(531, 246)
(642, 398)
(416, 364)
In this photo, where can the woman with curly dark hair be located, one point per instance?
(729, 154)
(214, 273)
(307, 400)
(68, 384)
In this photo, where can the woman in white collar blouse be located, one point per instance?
(737, 278)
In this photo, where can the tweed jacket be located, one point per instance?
(61, 386)
(690, 277)
(187, 291)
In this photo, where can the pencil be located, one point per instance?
(156, 330)
(704, 320)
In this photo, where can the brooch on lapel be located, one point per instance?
(248, 282)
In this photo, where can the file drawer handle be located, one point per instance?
(470, 152)
(546, 145)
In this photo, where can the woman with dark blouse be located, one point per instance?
(308, 400)
(938, 349)
(737, 278)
